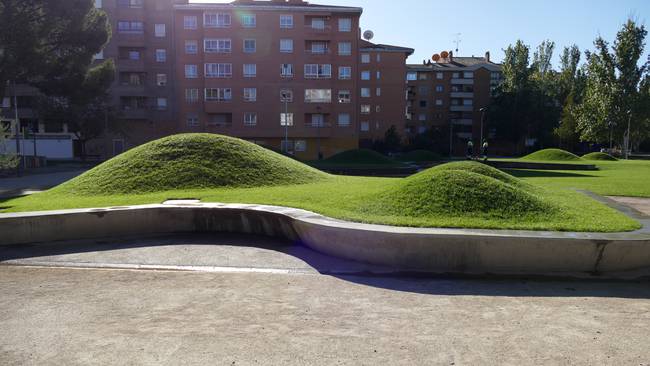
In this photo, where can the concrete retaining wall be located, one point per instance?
(436, 250)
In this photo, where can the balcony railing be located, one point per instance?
(317, 52)
(318, 29)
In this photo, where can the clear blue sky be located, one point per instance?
(430, 26)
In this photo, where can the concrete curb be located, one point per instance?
(466, 251)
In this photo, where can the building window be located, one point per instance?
(365, 58)
(192, 119)
(468, 102)
(99, 55)
(190, 22)
(191, 71)
(98, 4)
(300, 145)
(161, 79)
(344, 119)
(422, 76)
(130, 27)
(439, 75)
(218, 70)
(218, 94)
(365, 92)
(216, 20)
(439, 88)
(286, 45)
(468, 75)
(134, 55)
(248, 21)
(318, 23)
(379, 57)
(286, 119)
(345, 25)
(365, 75)
(455, 75)
(250, 94)
(191, 95)
(316, 71)
(345, 48)
(286, 95)
(378, 109)
(250, 70)
(191, 47)
(378, 92)
(319, 48)
(217, 45)
(423, 104)
(365, 126)
(161, 55)
(130, 3)
(318, 95)
(422, 117)
(286, 70)
(344, 96)
(438, 102)
(345, 72)
(411, 76)
(317, 120)
(161, 104)
(250, 119)
(286, 21)
(250, 46)
(365, 109)
(159, 30)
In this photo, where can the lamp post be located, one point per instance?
(22, 160)
(285, 97)
(611, 126)
(451, 138)
(627, 135)
(483, 110)
(318, 124)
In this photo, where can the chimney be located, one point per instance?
(451, 56)
(424, 62)
(487, 56)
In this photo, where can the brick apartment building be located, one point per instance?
(267, 71)
(448, 95)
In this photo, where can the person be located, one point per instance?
(470, 149)
(485, 150)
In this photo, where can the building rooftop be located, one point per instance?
(457, 63)
(369, 46)
(294, 5)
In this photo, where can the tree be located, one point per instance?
(567, 131)
(45, 42)
(7, 160)
(85, 108)
(614, 94)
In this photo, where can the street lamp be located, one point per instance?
(483, 110)
(319, 121)
(285, 97)
(627, 135)
(611, 125)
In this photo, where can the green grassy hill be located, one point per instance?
(599, 156)
(192, 161)
(552, 155)
(418, 156)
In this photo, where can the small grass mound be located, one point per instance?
(551, 155)
(461, 189)
(191, 161)
(599, 156)
(360, 157)
(418, 156)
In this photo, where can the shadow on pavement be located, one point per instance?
(244, 252)
(522, 173)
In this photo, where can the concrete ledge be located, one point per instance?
(539, 166)
(611, 255)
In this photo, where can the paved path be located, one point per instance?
(640, 204)
(241, 314)
(11, 187)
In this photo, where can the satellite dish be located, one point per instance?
(444, 54)
(435, 57)
(368, 35)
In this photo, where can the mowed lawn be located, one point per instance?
(346, 198)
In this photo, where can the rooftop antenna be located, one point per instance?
(457, 40)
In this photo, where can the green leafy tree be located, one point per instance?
(567, 131)
(613, 89)
(7, 160)
(46, 42)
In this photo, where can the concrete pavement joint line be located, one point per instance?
(404, 248)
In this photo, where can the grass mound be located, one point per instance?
(461, 189)
(418, 156)
(551, 155)
(599, 156)
(361, 157)
(191, 161)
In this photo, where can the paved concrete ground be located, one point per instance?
(17, 186)
(640, 204)
(293, 314)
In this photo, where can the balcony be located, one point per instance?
(462, 94)
(462, 122)
(312, 28)
(461, 108)
(134, 113)
(125, 64)
(462, 81)
(318, 52)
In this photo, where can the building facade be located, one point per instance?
(449, 95)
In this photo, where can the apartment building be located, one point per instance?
(287, 74)
(448, 94)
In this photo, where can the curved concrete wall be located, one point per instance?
(437, 250)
